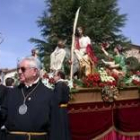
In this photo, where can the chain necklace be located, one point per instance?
(23, 108)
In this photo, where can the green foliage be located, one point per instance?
(100, 18)
(78, 82)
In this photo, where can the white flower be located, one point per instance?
(47, 84)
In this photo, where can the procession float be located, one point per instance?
(104, 99)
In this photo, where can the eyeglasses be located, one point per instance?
(23, 69)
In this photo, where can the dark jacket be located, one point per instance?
(3, 91)
(38, 118)
(61, 95)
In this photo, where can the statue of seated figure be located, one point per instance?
(118, 65)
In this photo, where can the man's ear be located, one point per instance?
(35, 71)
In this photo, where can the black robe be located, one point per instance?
(3, 93)
(38, 117)
(61, 95)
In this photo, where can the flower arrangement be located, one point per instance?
(102, 78)
(106, 78)
(99, 79)
(92, 80)
(48, 80)
(136, 80)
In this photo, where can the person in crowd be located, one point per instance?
(61, 95)
(10, 82)
(28, 109)
(117, 65)
(3, 91)
(84, 52)
(3, 94)
(57, 57)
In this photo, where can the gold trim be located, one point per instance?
(127, 133)
(130, 134)
(29, 134)
(95, 108)
(63, 105)
(81, 89)
(103, 134)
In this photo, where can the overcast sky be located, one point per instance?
(18, 24)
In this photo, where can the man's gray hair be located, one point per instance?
(34, 62)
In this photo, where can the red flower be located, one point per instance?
(115, 76)
(92, 80)
(101, 84)
(45, 76)
(135, 82)
(51, 80)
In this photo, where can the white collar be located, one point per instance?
(61, 80)
(36, 81)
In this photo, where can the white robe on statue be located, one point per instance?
(85, 61)
(84, 41)
(57, 58)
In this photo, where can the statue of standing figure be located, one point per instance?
(84, 53)
(34, 53)
(57, 57)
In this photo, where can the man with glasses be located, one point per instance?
(28, 109)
